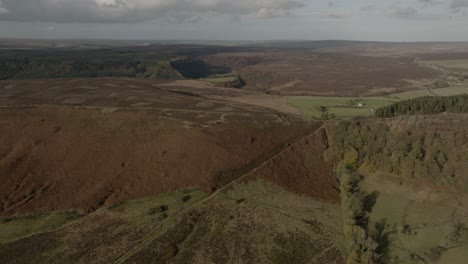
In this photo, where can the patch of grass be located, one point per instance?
(455, 64)
(422, 231)
(411, 94)
(294, 248)
(161, 203)
(220, 79)
(13, 228)
(450, 91)
(157, 210)
(347, 107)
(271, 222)
(339, 106)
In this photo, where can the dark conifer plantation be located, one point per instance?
(426, 105)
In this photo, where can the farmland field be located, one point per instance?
(457, 65)
(340, 106)
(421, 231)
(350, 106)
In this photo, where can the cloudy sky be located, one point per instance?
(386, 20)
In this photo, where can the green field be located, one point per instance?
(454, 64)
(141, 210)
(346, 107)
(455, 90)
(15, 228)
(432, 230)
(340, 106)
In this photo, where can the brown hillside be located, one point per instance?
(301, 169)
(328, 74)
(55, 157)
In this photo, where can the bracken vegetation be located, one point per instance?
(426, 105)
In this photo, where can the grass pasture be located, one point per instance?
(454, 90)
(424, 225)
(346, 107)
(461, 65)
(13, 228)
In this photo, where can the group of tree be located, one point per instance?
(366, 241)
(324, 114)
(196, 68)
(427, 147)
(426, 105)
(46, 68)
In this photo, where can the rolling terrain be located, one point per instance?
(325, 74)
(297, 166)
(177, 165)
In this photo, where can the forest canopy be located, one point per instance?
(426, 105)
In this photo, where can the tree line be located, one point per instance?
(426, 105)
(30, 69)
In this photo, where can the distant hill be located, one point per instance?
(47, 63)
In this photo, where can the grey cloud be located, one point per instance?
(413, 13)
(458, 4)
(336, 16)
(406, 12)
(272, 12)
(3, 10)
(432, 3)
(368, 8)
(122, 11)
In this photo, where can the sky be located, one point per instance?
(381, 20)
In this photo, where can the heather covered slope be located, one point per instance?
(57, 157)
(140, 170)
(267, 218)
(373, 190)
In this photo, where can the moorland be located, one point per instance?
(244, 152)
